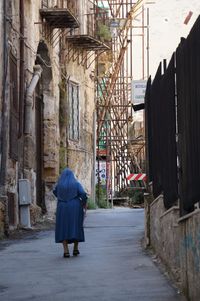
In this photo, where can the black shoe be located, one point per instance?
(76, 252)
(66, 255)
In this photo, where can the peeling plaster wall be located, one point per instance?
(50, 86)
(1, 86)
(26, 166)
(12, 48)
(2, 219)
(190, 255)
(80, 154)
(1, 54)
(165, 234)
(177, 242)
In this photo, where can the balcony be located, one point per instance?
(60, 14)
(87, 42)
(89, 37)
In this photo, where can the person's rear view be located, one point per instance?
(72, 200)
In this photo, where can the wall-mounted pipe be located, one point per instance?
(29, 97)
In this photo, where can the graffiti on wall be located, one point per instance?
(191, 245)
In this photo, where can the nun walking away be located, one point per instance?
(71, 204)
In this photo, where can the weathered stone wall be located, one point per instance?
(51, 201)
(2, 219)
(170, 233)
(1, 54)
(50, 86)
(81, 163)
(26, 166)
(12, 47)
(190, 254)
(177, 242)
(156, 210)
(80, 154)
(1, 85)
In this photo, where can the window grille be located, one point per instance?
(73, 92)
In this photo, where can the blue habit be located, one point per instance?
(69, 214)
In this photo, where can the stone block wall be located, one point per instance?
(176, 241)
(1, 54)
(80, 153)
(190, 254)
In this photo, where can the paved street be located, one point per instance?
(112, 265)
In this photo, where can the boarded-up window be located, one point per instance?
(14, 108)
(73, 111)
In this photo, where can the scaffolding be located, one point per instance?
(105, 34)
(121, 152)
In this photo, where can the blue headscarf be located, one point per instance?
(68, 187)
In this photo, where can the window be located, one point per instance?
(14, 109)
(73, 91)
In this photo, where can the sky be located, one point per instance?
(166, 27)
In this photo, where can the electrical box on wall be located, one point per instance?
(24, 192)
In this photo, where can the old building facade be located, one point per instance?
(47, 100)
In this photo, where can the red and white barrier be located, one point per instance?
(137, 177)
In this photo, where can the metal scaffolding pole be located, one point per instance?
(114, 106)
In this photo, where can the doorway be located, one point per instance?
(39, 131)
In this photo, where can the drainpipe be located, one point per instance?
(29, 98)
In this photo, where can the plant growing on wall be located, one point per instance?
(91, 204)
(103, 32)
(101, 196)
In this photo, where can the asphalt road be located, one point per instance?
(112, 265)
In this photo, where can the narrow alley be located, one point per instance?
(100, 107)
(112, 264)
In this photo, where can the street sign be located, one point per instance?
(138, 89)
(101, 173)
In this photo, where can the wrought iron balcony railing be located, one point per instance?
(93, 34)
(60, 13)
